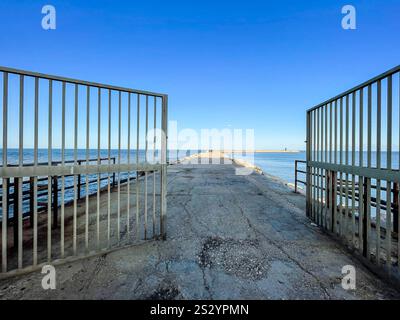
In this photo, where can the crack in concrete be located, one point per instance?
(93, 274)
(202, 268)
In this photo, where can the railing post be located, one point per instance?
(295, 176)
(396, 207)
(31, 201)
(113, 182)
(8, 199)
(365, 220)
(15, 211)
(308, 158)
(79, 183)
(55, 202)
(163, 218)
(328, 188)
(328, 198)
(333, 200)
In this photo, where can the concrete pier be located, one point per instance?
(228, 237)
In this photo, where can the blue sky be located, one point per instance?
(235, 64)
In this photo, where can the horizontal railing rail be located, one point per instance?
(42, 190)
(357, 88)
(79, 82)
(340, 184)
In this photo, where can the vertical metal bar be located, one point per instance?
(312, 153)
(129, 174)
(325, 159)
(163, 219)
(321, 180)
(145, 174)
(5, 181)
(20, 163)
(360, 178)
(395, 214)
(378, 165)
(330, 131)
(353, 163)
(331, 185)
(15, 211)
(87, 163)
(154, 172)
(79, 181)
(113, 175)
(55, 201)
(315, 159)
(35, 163)
(63, 164)
(335, 161)
(315, 210)
(365, 221)
(108, 174)
(314, 135)
(323, 172)
(330, 173)
(295, 175)
(318, 169)
(361, 129)
(98, 163)
(119, 173)
(347, 162)
(326, 171)
(31, 201)
(326, 132)
(398, 199)
(49, 159)
(335, 134)
(137, 172)
(308, 143)
(389, 183)
(367, 229)
(341, 220)
(333, 201)
(74, 227)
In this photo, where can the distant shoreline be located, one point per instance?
(150, 150)
(265, 151)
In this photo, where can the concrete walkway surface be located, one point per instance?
(228, 237)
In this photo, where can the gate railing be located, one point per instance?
(353, 169)
(58, 130)
(303, 173)
(28, 188)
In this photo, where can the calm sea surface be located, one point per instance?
(279, 164)
(282, 164)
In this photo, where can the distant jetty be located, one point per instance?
(264, 151)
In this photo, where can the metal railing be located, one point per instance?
(105, 218)
(352, 182)
(28, 188)
(296, 174)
